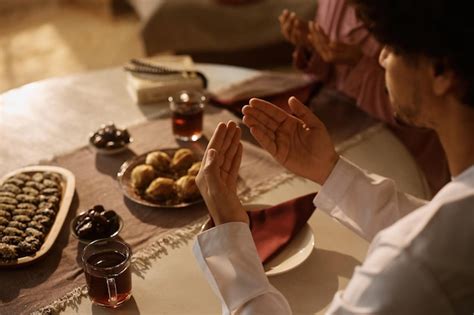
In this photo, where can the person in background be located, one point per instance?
(421, 259)
(341, 53)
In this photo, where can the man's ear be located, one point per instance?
(443, 78)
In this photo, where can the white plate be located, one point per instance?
(293, 255)
(68, 186)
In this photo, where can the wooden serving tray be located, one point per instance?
(68, 184)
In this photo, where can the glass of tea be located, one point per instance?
(187, 108)
(107, 269)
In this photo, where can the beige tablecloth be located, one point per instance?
(151, 232)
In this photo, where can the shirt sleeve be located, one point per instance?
(365, 203)
(390, 281)
(229, 260)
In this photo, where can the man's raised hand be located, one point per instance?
(300, 142)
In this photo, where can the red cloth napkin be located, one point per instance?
(274, 227)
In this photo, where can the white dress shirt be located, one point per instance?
(420, 261)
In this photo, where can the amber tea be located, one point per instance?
(188, 125)
(99, 286)
(187, 115)
(107, 271)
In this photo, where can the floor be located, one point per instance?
(47, 40)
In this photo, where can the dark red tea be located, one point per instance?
(187, 125)
(99, 292)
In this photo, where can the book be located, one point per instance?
(153, 80)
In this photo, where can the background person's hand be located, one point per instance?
(300, 143)
(217, 178)
(293, 29)
(331, 51)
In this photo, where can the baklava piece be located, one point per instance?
(161, 189)
(35, 185)
(5, 214)
(28, 212)
(159, 160)
(38, 177)
(142, 175)
(17, 224)
(11, 231)
(34, 241)
(43, 220)
(21, 218)
(12, 240)
(7, 207)
(52, 199)
(182, 160)
(53, 176)
(10, 188)
(4, 221)
(8, 200)
(27, 248)
(48, 183)
(7, 194)
(51, 192)
(35, 233)
(8, 252)
(36, 225)
(30, 191)
(187, 188)
(22, 176)
(23, 198)
(46, 204)
(15, 181)
(194, 169)
(46, 211)
(26, 205)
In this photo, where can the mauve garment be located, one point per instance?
(365, 83)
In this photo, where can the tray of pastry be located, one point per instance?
(34, 202)
(163, 178)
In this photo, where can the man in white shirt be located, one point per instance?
(421, 258)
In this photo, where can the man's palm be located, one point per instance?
(301, 144)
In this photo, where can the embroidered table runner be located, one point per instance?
(150, 232)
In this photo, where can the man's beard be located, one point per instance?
(403, 113)
(404, 116)
(404, 120)
(401, 121)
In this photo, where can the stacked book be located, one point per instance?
(153, 80)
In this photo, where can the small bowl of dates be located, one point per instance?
(109, 139)
(96, 223)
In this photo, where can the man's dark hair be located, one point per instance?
(438, 29)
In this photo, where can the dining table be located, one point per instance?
(49, 123)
